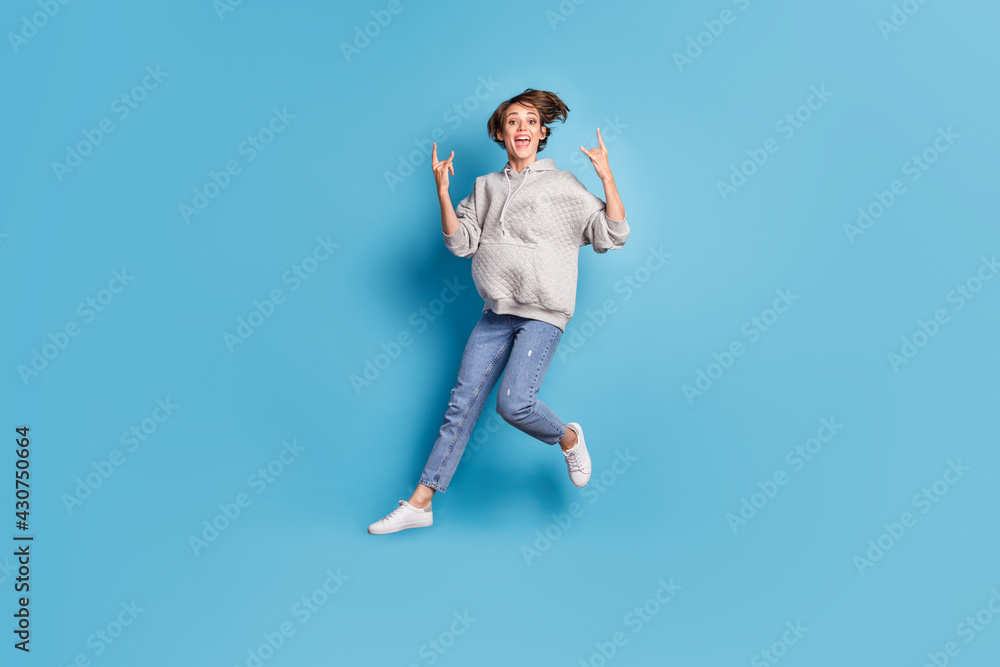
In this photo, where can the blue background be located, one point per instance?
(673, 132)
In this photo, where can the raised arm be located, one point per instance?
(461, 227)
(599, 157)
(449, 221)
(606, 227)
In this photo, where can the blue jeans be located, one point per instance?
(525, 347)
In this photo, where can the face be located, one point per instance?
(522, 129)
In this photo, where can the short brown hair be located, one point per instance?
(548, 105)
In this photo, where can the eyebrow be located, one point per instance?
(511, 113)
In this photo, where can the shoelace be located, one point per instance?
(394, 512)
(574, 462)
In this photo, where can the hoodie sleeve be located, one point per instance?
(600, 231)
(465, 240)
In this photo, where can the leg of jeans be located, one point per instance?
(483, 361)
(535, 344)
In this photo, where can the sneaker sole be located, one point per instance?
(387, 531)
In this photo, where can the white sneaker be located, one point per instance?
(578, 458)
(403, 517)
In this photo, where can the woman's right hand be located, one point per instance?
(441, 168)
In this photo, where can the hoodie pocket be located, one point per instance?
(555, 280)
(506, 270)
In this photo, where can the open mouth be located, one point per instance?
(522, 142)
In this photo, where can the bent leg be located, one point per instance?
(534, 347)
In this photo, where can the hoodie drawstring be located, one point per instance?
(503, 230)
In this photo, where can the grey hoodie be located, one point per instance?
(524, 231)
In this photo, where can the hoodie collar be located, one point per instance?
(545, 164)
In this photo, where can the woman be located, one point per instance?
(523, 227)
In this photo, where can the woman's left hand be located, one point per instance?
(599, 157)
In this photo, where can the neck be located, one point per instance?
(518, 164)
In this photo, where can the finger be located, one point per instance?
(600, 140)
(434, 152)
(584, 151)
